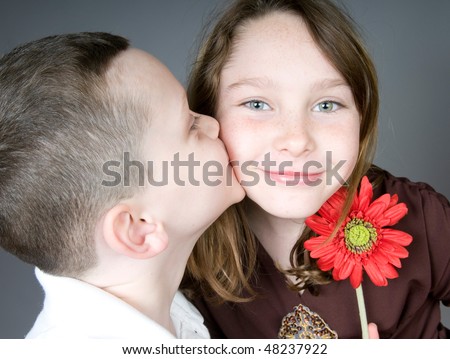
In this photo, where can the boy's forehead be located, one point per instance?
(135, 69)
(132, 73)
(134, 63)
(137, 77)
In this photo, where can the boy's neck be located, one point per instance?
(148, 286)
(149, 297)
(277, 235)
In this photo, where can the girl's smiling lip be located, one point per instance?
(293, 178)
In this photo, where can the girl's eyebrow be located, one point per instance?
(329, 83)
(264, 82)
(259, 82)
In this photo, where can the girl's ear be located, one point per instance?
(133, 235)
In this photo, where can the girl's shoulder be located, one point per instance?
(428, 222)
(410, 192)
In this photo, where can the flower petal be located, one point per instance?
(356, 275)
(396, 236)
(395, 213)
(355, 203)
(335, 274)
(394, 200)
(365, 194)
(347, 268)
(322, 251)
(314, 242)
(395, 261)
(341, 255)
(380, 257)
(388, 271)
(325, 263)
(382, 221)
(319, 225)
(332, 208)
(377, 207)
(374, 274)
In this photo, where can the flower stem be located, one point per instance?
(362, 312)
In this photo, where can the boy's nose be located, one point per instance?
(210, 126)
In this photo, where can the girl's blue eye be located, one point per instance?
(257, 105)
(327, 106)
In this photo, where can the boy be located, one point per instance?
(110, 256)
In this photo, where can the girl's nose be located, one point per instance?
(294, 137)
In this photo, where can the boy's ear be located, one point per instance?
(133, 235)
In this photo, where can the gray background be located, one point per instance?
(408, 39)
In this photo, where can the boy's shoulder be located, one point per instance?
(75, 309)
(187, 318)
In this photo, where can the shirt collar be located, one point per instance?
(83, 308)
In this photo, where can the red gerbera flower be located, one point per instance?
(363, 241)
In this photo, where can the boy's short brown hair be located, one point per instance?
(59, 123)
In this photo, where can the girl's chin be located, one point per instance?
(287, 205)
(289, 212)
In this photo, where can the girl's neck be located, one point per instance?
(277, 235)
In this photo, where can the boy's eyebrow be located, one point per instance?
(184, 102)
(259, 82)
(186, 108)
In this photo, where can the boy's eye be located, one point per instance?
(327, 106)
(257, 105)
(194, 125)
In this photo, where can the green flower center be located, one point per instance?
(359, 236)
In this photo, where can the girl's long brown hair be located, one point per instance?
(335, 34)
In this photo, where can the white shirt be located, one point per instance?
(75, 309)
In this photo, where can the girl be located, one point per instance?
(296, 95)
